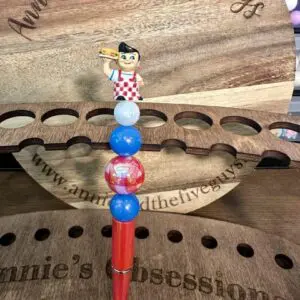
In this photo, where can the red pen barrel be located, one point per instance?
(122, 257)
(121, 284)
(122, 244)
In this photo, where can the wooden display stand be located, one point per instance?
(65, 255)
(193, 52)
(188, 257)
(217, 137)
(234, 54)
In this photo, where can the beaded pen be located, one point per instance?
(124, 175)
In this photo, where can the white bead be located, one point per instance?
(291, 4)
(127, 113)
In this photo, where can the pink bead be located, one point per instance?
(124, 175)
(295, 17)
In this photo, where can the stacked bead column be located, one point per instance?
(124, 175)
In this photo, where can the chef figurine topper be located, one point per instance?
(126, 80)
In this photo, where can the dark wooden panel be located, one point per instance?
(177, 257)
(267, 200)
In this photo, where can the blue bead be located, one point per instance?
(127, 113)
(124, 208)
(125, 140)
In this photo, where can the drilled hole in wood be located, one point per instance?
(60, 117)
(141, 233)
(175, 236)
(223, 157)
(209, 242)
(285, 131)
(174, 143)
(284, 261)
(7, 239)
(42, 234)
(16, 119)
(274, 159)
(78, 140)
(217, 148)
(101, 117)
(79, 150)
(75, 232)
(245, 250)
(193, 120)
(106, 231)
(151, 118)
(240, 125)
(31, 142)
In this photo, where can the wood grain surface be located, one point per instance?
(249, 150)
(273, 97)
(22, 194)
(267, 200)
(178, 257)
(215, 137)
(84, 167)
(80, 181)
(186, 46)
